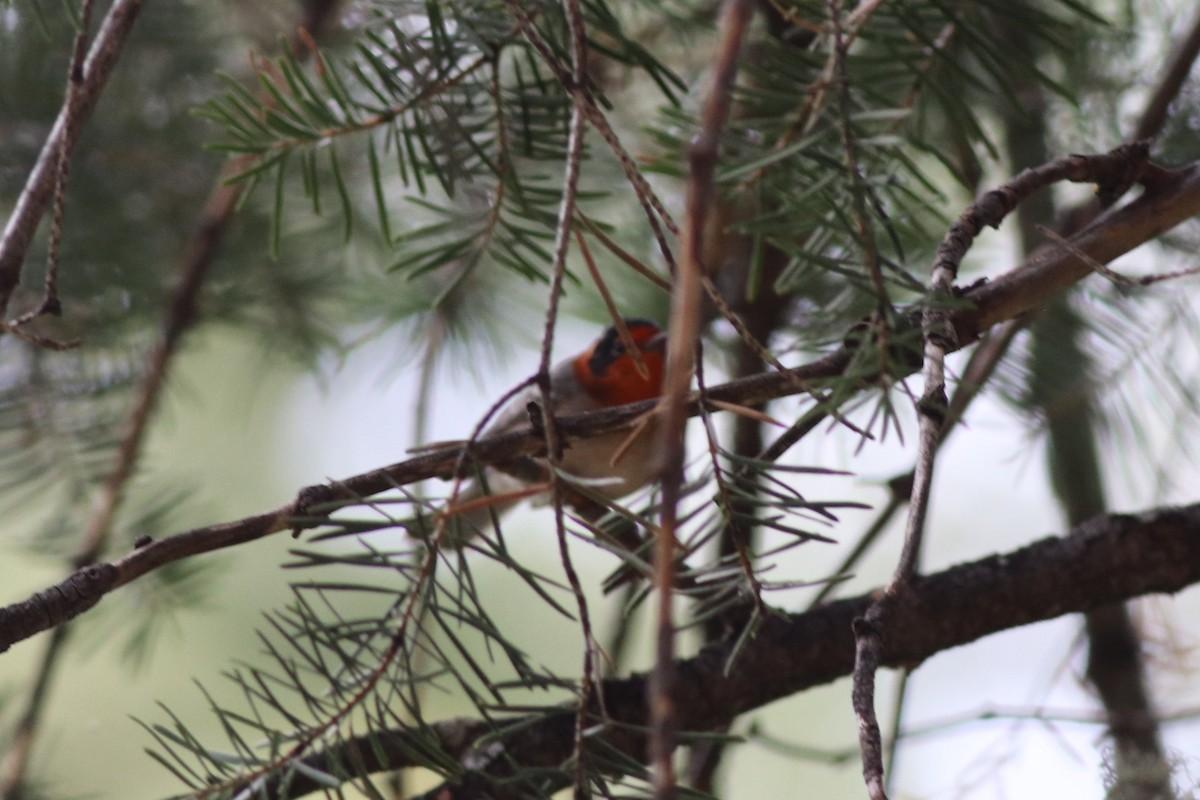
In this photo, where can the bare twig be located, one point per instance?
(1113, 275)
(681, 346)
(738, 532)
(50, 303)
(39, 187)
(758, 348)
(1174, 76)
(1113, 173)
(859, 187)
(736, 536)
(1173, 198)
(562, 242)
(610, 305)
(652, 206)
(1049, 271)
(630, 261)
(1109, 558)
(180, 316)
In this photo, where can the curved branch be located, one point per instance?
(1105, 560)
(683, 338)
(1170, 198)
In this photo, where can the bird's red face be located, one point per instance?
(608, 372)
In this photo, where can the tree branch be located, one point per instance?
(62, 603)
(1170, 198)
(31, 205)
(1113, 174)
(1174, 76)
(1105, 560)
(682, 341)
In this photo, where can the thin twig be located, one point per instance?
(1109, 558)
(39, 186)
(50, 303)
(681, 346)
(562, 242)
(652, 206)
(1113, 275)
(1174, 197)
(1175, 74)
(614, 314)
(463, 454)
(751, 341)
(435, 337)
(739, 531)
(630, 261)
(737, 535)
(180, 317)
(859, 187)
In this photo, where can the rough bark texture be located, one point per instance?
(1105, 560)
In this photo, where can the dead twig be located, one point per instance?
(1107, 559)
(1173, 198)
(1113, 173)
(90, 581)
(77, 109)
(682, 340)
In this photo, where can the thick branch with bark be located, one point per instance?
(1105, 560)
(1170, 198)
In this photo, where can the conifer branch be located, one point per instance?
(1170, 198)
(1105, 560)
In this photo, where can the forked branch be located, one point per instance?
(1105, 560)
(1169, 199)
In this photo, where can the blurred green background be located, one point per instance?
(307, 368)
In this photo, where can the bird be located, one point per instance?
(611, 465)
